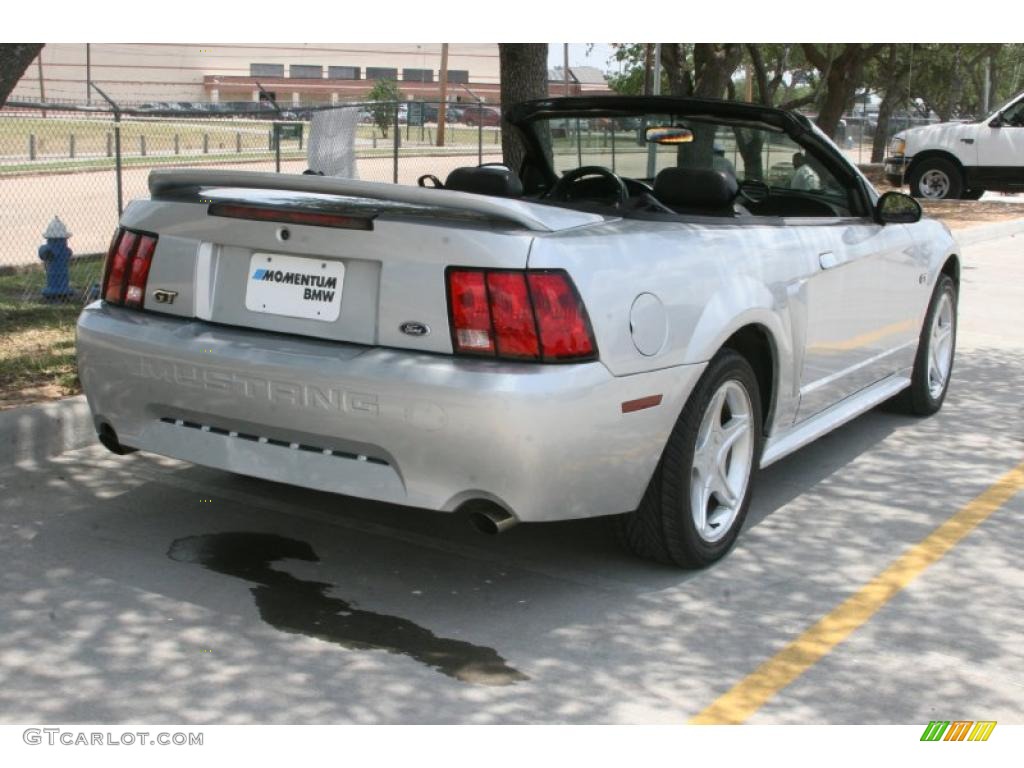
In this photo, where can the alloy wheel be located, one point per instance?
(722, 461)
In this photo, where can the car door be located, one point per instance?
(1001, 149)
(861, 308)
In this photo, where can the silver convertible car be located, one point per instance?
(667, 295)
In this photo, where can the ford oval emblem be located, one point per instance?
(412, 328)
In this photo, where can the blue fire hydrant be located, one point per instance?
(56, 256)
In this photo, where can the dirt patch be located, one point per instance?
(963, 214)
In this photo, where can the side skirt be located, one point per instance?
(799, 435)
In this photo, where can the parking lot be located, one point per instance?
(142, 589)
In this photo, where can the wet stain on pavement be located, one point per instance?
(303, 607)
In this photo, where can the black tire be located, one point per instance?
(954, 182)
(662, 527)
(972, 194)
(919, 399)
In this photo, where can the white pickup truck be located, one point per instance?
(961, 160)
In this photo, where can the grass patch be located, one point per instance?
(37, 338)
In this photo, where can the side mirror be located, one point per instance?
(997, 121)
(897, 208)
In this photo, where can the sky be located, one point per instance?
(578, 57)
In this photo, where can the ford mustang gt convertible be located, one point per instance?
(665, 296)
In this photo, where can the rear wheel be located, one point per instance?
(697, 500)
(936, 178)
(933, 366)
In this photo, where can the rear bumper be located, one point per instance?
(545, 442)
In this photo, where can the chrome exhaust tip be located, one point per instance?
(492, 520)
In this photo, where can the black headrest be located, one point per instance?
(494, 180)
(696, 188)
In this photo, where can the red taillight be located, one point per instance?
(139, 272)
(471, 315)
(518, 314)
(514, 327)
(113, 290)
(564, 326)
(128, 261)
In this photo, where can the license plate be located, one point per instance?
(294, 286)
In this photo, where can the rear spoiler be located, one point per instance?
(534, 217)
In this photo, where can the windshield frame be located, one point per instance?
(526, 115)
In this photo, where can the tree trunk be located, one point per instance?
(524, 76)
(838, 92)
(714, 65)
(841, 76)
(15, 58)
(881, 139)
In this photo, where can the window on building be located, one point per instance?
(306, 71)
(266, 70)
(418, 75)
(458, 75)
(343, 73)
(381, 73)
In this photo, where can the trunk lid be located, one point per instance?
(328, 258)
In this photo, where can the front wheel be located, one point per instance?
(936, 178)
(936, 348)
(697, 500)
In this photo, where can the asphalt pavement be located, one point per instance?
(142, 589)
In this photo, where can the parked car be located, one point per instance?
(430, 113)
(577, 343)
(481, 116)
(961, 160)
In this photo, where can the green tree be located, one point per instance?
(841, 71)
(889, 75)
(384, 96)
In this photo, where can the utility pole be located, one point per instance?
(986, 96)
(565, 68)
(442, 108)
(647, 68)
(655, 91)
(88, 75)
(42, 89)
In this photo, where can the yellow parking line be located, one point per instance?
(751, 693)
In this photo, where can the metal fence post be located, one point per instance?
(277, 147)
(142, 145)
(238, 142)
(480, 133)
(117, 148)
(71, 146)
(177, 145)
(117, 163)
(31, 146)
(110, 145)
(206, 143)
(397, 142)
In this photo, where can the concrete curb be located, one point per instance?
(975, 235)
(37, 432)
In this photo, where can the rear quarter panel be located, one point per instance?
(711, 279)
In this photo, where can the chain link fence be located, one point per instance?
(83, 165)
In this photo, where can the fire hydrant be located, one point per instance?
(56, 256)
